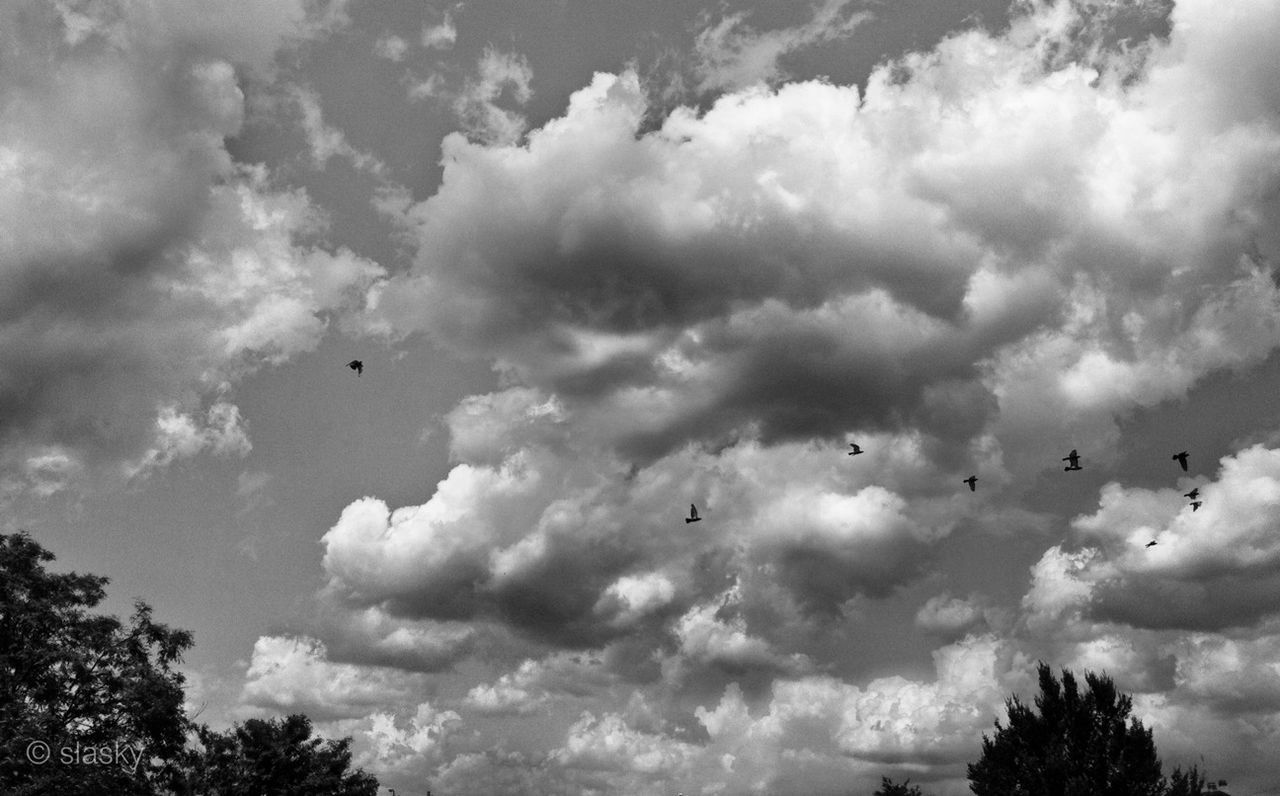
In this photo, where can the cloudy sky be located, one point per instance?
(605, 260)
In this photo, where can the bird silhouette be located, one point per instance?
(1195, 505)
(1152, 543)
(972, 481)
(856, 450)
(1181, 458)
(693, 515)
(357, 366)
(1193, 494)
(1073, 460)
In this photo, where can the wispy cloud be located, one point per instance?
(327, 142)
(441, 36)
(390, 47)
(500, 76)
(731, 55)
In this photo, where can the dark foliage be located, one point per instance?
(890, 788)
(279, 757)
(1075, 744)
(1072, 744)
(1190, 783)
(89, 689)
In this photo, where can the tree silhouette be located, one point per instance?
(276, 756)
(890, 788)
(1190, 783)
(101, 705)
(74, 681)
(1074, 744)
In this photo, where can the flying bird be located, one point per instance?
(1152, 543)
(1195, 505)
(972, 481)
(693, 515)
(856, 450)
(1181, 458)
(1193, 494)
(357, 366)
(1073, 460)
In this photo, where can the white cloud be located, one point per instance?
(442, 36)
(1212, 568)
(1057, 588)
(294, 674)
(501, 697)
(821, 724)
(716, 634)
(606, 742)
(947, 615)
(390, 47)
(181, 436)
(46, 472)
(630, 598)
(438, 546)
(372, 636)
(389, 744)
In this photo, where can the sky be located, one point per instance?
(602, 261)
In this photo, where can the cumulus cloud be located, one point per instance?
(999, 247)
(386, 742)
(566, 545)
(715, 633)
(951, 616)
(1073, 252)
(1210, 569)
(294, 674)
(534, 683)
(632, 597)
(143, 270)
(818, 728)
(606, 742)
(371, 636)
(1189, 624)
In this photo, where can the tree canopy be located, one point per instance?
(75, 681)
(890, 788)
(1074, 744)
(90, 705)
(276, 756)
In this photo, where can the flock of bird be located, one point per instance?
(1073, 463)
(1072, 459)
